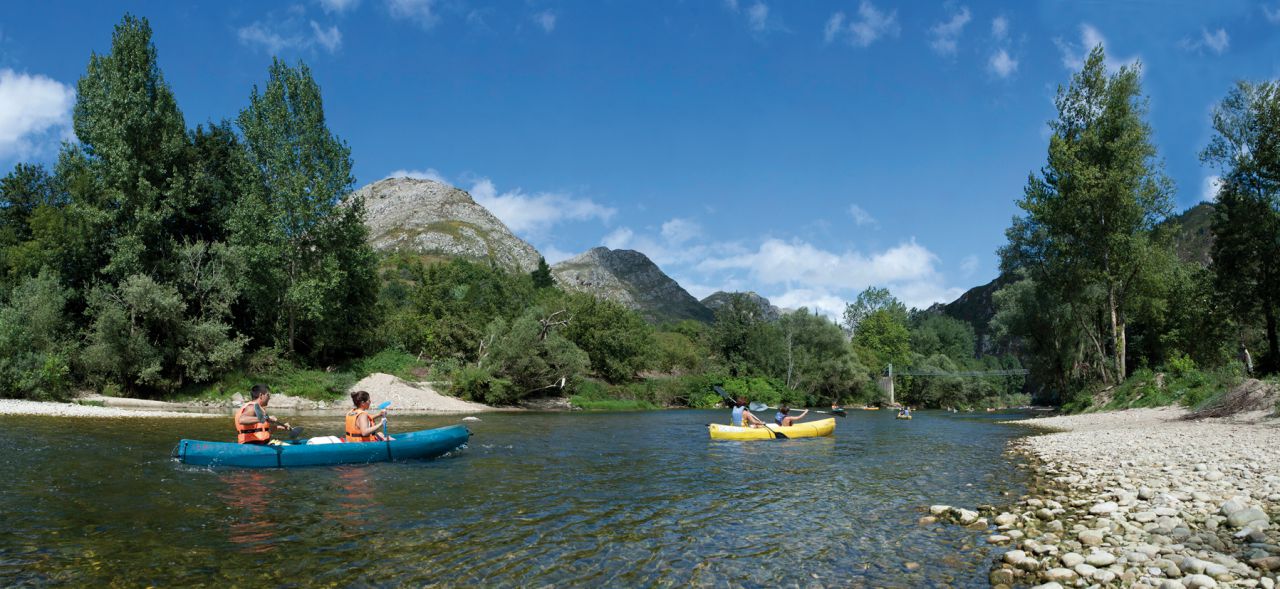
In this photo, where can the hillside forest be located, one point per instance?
(156, 259)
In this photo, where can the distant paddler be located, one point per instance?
(253, 425)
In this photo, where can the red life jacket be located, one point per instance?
(251, 433)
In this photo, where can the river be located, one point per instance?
(536, 499)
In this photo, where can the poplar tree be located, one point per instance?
(309, 274)
(1085, 232)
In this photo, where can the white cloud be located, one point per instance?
(757, 16)
(619, 238)
(678, 231)
(330, 38)
(554, 255)
(969, 265)
(338, 6)
(835, 25)
(1000, 28)
(814, 299)
(290, 34)
(1272, 14)
(427, 174)
(35, 112)
(1001, 64)
(1217, 41)
(731, 5)
(1073, 56)
(421, 12)
(778, 262)
(546, 19)
(534, 213)
(946, 35)
(861, 216)
(1210, 188)
(871, 25)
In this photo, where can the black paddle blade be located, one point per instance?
(840, 412)
(723, 394)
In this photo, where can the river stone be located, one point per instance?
(939, 509)
(1091, 537)
(1144, 516)
(1231, 506)
(1044, 513)
(1267, 583)
(1001, 577)
(1137, 557)
(1071, 559)
(1006, 519)
(1216, 570)
(1100, 558)
(1198, 582)
(1104, 576)
(1171, 584)
(1014, 557)
(1269, 563)
(1085, 570)
(1193, 565)
(1213, 475)
(998, 539)
(1166, 511)
(966, 516)
(1060, 574)
(1145, 493)
(1103, 508)
(1049, 585)
(927, 519)
(1247, 515)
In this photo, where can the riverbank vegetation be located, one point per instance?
(1102, 308)
(159, 260)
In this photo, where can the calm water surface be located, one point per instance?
(557, 499)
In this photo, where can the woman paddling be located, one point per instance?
(360, 427)
(741, 417)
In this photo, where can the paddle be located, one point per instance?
(761, 407)
(381, 406)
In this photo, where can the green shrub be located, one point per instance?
(477, 384)
(611, 404)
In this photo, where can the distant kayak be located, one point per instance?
(902, 417)
(804, 429)
(431, 443)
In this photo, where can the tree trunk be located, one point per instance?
(1117, 336)
(1273, 342)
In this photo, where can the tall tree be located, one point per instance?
(869, 301)
(1089, 213)
(1246, 252)
(310, 276)
(135, 139)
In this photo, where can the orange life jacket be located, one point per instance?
(353, 427)
(251, 433)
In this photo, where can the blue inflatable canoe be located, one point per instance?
(424, 444)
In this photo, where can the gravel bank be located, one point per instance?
(1142, 498)
(22, 407)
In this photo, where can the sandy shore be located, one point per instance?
(1142, 498)
(405, 397)
(22, 407)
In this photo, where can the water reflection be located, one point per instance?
(247, 493)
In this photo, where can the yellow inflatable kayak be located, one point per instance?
(804, 429)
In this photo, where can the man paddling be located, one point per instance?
(253, 425)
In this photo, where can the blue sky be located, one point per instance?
(804, 150)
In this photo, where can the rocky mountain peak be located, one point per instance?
(435, 219)
(632, 279)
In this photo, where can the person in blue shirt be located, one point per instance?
(741, 417)
(781, 418)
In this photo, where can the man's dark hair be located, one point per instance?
(257, 391)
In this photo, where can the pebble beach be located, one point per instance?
(1143, 498)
